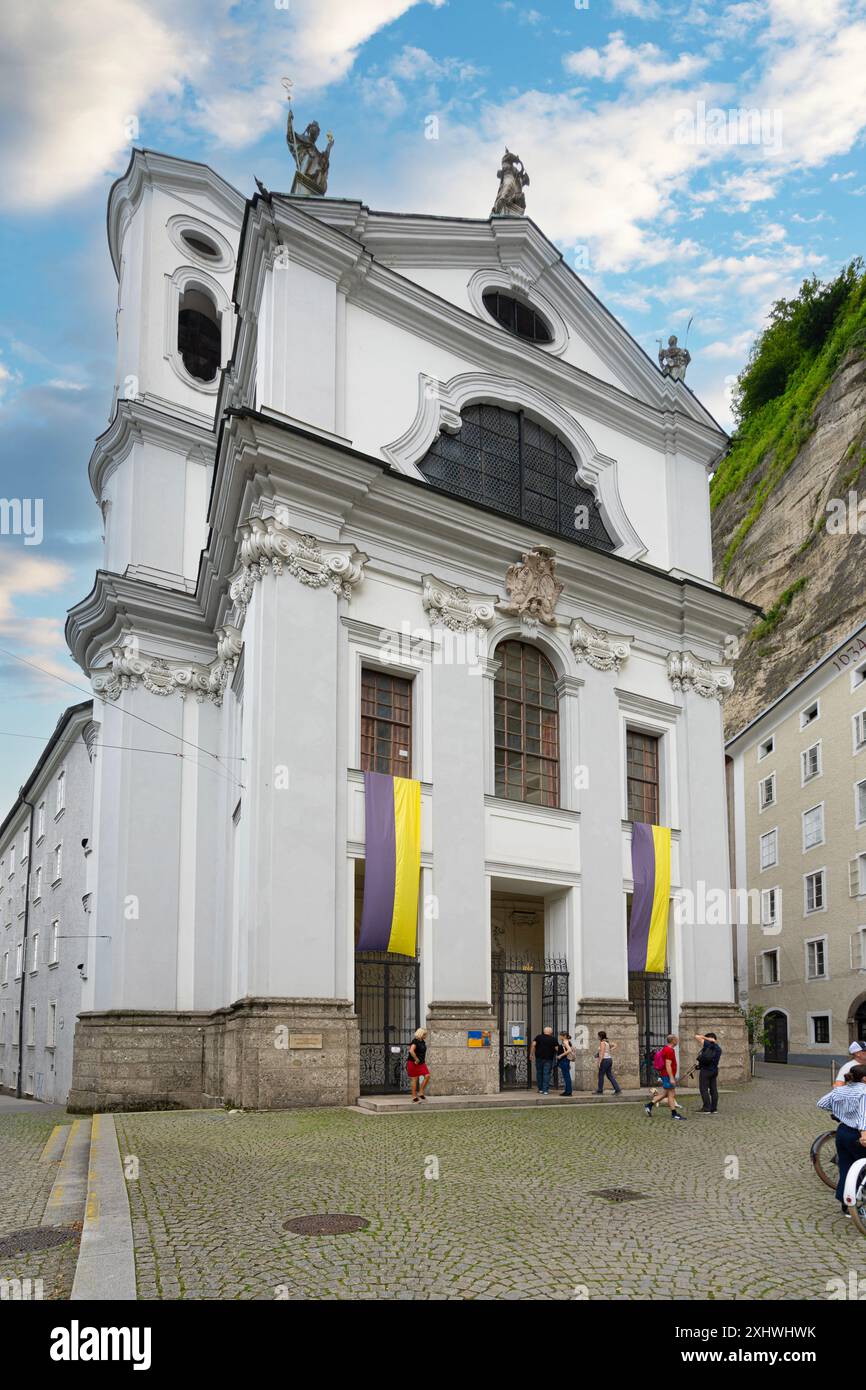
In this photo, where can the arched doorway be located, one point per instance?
(776, 1028)
(857, 1019)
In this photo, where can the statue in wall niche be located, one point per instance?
(311, 163)
(533, 588)
(673, 360)
(513, 178)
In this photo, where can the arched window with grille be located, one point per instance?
(526, 726)
(506, 461)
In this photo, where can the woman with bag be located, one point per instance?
(565, 1055)
(604, 1056)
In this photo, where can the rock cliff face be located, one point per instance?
(807, 575)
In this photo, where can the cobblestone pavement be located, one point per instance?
(509, 1216)
(25, 1185)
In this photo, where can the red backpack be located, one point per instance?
(659, 1062)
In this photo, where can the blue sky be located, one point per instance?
(620, 111)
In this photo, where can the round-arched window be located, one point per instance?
(199, 338)
(517, 316)
(505, 460)
(526, 726)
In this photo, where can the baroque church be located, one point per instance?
(390, 502)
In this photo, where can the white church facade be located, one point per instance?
(387, 493)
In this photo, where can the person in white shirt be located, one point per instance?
(848, 1106)
(858, 1059)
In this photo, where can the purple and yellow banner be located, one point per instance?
(651, 871)
(392, 815)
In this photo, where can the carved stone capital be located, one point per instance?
(131, 670)
(268, 545)
(603, 650)
(709, 679)
(448, 605)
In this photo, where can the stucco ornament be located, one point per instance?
(688, 672)
(513, 178)
(533, 588)
(603, 650)
(130, 670)
(450, 606)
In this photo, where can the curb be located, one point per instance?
(106, 1256)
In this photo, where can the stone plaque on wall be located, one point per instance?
(305, 1040)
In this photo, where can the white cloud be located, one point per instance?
(642, 66)
(638, 9)
(76, 78)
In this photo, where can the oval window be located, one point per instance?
(517, 316)
(200, 246)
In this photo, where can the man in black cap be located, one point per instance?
(708, 1072)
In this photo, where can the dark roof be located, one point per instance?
(65, 719)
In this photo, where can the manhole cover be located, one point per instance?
(618, 1194)
(36, 1238)
(325, 1224)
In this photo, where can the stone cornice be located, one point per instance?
(130, 668)
(134, 422)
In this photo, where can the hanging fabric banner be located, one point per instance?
(392, 812)
(651, 872)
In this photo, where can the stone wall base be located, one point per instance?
(729, 1025)
(258, 1054)
(617, 1018)
(456, 1069)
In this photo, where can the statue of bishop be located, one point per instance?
(311, 163)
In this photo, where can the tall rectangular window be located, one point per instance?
(54, 951)
(811, 762)
(820, 1028)
(642, 776)
(61, 792)
(860, 803)
(525, 726)
(31, 1026)
(386, 724)
(51, 1033)
(816, 958)
(34, 951)
(815, 895)
(769, 849)
(58, 863)
(769, 967)
(813, 827)
(767, 791)
(40, 820)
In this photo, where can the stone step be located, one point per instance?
(503, 1100)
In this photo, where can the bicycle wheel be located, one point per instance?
(824, 1160)
(858, 1211)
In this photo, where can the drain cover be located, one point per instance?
(325, 1224)
(618, 1194)
(36, 1238)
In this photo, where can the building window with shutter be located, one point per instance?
(816, 958)
(642, 776)
(768, 968)
(767, 791)
(386, 723)
(813, 827)
(816, 897)
(811, 763)
(526, 726)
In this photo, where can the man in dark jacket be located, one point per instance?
(708, 1072)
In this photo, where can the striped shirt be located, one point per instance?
(847, 1104)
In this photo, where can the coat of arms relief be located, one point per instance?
(533, 589)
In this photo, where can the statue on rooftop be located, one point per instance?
(673, 360)
(513, 178)
(311, 163)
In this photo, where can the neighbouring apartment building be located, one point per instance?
(799, 813)
(45, 848)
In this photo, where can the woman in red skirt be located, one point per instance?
(416, 1064)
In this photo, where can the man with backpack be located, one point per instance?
(665, 1063)
(708, 1072)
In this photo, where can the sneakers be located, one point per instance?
(675, 1115)
(649, 1107)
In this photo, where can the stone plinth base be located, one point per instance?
(617, 1018)
(727, 1022)
(456, 1069)
(265, 1054)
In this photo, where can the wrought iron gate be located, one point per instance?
(387, 1005)
(528, 995)
(651, 996)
